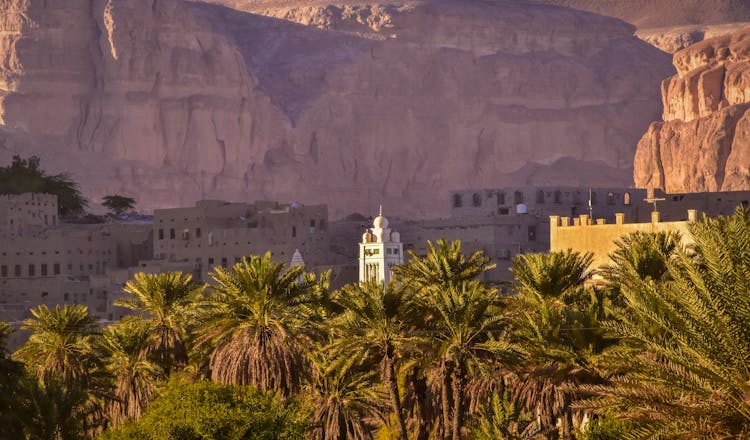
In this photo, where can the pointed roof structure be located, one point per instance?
(297, 259)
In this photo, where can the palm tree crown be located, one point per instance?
(256, 319)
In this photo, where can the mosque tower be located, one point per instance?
(379, 251)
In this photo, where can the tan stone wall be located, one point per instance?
(24, 214)
(216, 233)
(599, 239)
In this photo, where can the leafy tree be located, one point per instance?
(689, 378)
(165, 300)
(125, 345)
(61, 344)
(118, 204)
(379, 321)
(257, 319)
(26, 175)
(212, 411)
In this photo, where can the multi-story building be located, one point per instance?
(216, 233)
(52, 263)
(26, 214)
(545, 201)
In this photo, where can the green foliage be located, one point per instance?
(167, 302)
(118, 204)
(212, 411)
(604, 428)
(445, 265)
(25, 175)
(134, 375)
(61, 344)
(257, 320)
(686, 350)
(500, 418)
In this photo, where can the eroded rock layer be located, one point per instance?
(351, 104)
(703, 143)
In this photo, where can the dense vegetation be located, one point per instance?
(27, 176)
(659, 347)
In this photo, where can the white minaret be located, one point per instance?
(379, 251)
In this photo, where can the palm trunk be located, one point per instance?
(458, 401)
(445, 399)
(392, 383)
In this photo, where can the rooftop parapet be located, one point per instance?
(557, 221)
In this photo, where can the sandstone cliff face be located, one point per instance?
(349, 104)
(704, 142)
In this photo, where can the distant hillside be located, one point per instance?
(663, 13)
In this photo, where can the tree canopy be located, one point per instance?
(26, 176)
(118, 204)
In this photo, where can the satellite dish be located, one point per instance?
(521, 209)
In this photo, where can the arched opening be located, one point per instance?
(476, 199)
(626, 198)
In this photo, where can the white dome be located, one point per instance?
(395, 237)
(380, 222)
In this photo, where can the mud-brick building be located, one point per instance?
(218, 233)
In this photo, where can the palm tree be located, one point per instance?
(689, 379)
(58, 412)
(642, 255)
(443, 266)
(463, 318)
(345, 398)
(61, 344)
(165, 301)
(550, 275)
(125, 345)
(256, 319)
(558, 322)
(378, 320)
(501, 418)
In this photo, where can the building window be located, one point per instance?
(66, 296)
(500, 198)
(211, 261)
(197, 232)
(592, 198)
(186, 234)
(294, 231)
(610, 198)
(44, 270)
(32, 270)
(517, 197)
(626, 198)
(540, 196)
(171, 234)
(56, 269)
(476, 199)
(532, 232)
(457, 201)
(161, 234)
(3, 271)
(224, 262)
(502, 211)
(557, 197)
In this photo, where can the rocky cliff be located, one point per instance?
(351, 103)
(703, 143)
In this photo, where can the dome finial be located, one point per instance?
(380, 212)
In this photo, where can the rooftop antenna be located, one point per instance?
(651, 198)
(591, 207)
(380, 211)
(203, 185)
